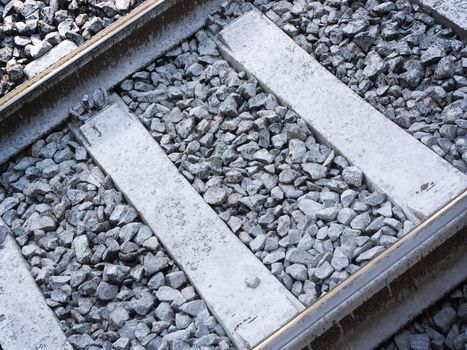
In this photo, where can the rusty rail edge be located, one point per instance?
(391, 290)
(42, 103)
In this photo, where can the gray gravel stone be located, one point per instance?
(353, 176)
(316, 171)
(309, 207)
(193, 308)
(419, 342)
(360, 222)
(123, 214)
(323, 271)
(176, 279)
(339, 260)
(168, 294)
(297, 271)
(369, 254)
(153, 264)
(8, 203)
(297, 150)
(115, 273)
(164, 312)
(81, 247)
(215, 195)
(327, 214)
(106, 291)
(433, 53)
(444, 319)
(118, 317)
(252, 282)
(375, 65)
(81, 341)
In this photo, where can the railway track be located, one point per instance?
(193, 176)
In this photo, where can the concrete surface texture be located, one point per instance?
(26, 322)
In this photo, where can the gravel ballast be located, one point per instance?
(305, 212)
(391, 53)
(443, 326)
(102, 271)
(394, 55)
(30, 29)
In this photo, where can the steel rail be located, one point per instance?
(390, 290)
(43, 103)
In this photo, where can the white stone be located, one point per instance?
(213, 258)
(42, 63)
(419, 181)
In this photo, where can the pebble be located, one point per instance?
(297, 271)
(252, 282)
(168, 294)
(118, 317)
(369, 254)
(309, 207)
(345, 216)
(444, 319)
(419, 342)
(353, 176)
(154, 264)
(106, 291)
(115, 273)
(81, 247)
(327, 214)
(297, 150)
(360, 222)
(81, 341)
(193, 308)
(433, 53)
(215, 195)
(176, 279)
(375, 65)
(316, 171)
(339, 260)
(323, 271)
